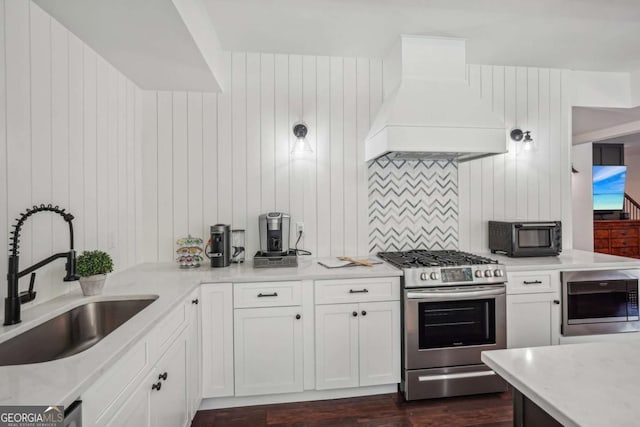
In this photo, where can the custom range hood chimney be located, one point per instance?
(429, 111)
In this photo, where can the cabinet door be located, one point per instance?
(194, 352)
(532, 320)
(169, 404)
(268, 350)
(379, 342)
(216, 306)
(337, 346)
(136, 412)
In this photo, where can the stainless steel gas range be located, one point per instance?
(454, 307)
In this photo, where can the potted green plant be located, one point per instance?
(92, 267)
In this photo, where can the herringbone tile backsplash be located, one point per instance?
(413, 205)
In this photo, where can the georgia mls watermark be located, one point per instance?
(31, 416)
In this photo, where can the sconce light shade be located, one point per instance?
(524, 136)
(301, 147)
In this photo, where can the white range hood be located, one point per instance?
(429, 111)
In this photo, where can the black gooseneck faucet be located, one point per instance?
(14, 297)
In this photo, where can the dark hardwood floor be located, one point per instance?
(389, 410)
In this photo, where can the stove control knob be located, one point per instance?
(423, 276)
(434, 276)
(488, 273)
(478, 274)
(498, 273)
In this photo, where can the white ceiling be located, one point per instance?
(592, 119)
(144, 39)
(576, 34)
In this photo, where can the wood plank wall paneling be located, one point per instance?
(67, 137)
(519, 185)
(246, 168)
(241, 166)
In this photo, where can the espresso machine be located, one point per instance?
(220, 246)
(274, 228)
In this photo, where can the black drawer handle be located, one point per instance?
(355, 314)
(162, 376)
(359, 291)
(532, 282)
(298, 316)
(156, 386)
(556, 301)
(364, 313)
(261, 295)
(195, 301)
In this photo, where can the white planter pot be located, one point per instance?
(92, 285)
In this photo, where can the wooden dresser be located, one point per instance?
(617, 237)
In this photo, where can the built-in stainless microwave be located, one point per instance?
(600, 302)
(525, 239)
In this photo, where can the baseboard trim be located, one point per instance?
(305, 396)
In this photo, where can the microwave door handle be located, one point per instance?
(454, 295)
(537, 225)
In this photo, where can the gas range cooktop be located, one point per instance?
(444, 268)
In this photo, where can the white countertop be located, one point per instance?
(594, 384)
(63, 381)
(571, 259)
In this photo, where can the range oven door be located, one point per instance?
(451, 326)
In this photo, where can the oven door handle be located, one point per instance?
(430, 295)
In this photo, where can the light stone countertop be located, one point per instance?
(594, 384)
(63, 381)
(570, 259)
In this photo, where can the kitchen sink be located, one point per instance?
(71, 332)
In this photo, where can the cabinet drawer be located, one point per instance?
(601, 243)
(624, 243)
(267, 294)
(601, 234)
(628, 252)
(357, 290)
(162, 335)
(529, 283)
(624, 232)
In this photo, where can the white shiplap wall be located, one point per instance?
(224, 158)
(69, 135)
(519, 185)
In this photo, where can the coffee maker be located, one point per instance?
(220, 245)
(274, 233)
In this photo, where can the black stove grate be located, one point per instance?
(416, 258)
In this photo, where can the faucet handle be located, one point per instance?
(29, 295)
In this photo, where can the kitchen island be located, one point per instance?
(593, 384)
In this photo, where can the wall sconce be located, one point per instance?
(301, 147)
(525, 136)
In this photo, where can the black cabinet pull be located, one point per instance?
(298, 316)
(194, 301)
(532, 282)
(162, 376)
(355, 313)
(556, 301)
(260, 295)
(364, 313)
(156, 386)
(358, 291)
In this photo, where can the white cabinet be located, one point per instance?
(194, 354)
(532, 320)
(160, 400)
(357, 344)
(216, 306)
(533, 309)
(336, 346)
(168, 401)
(268, 350)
